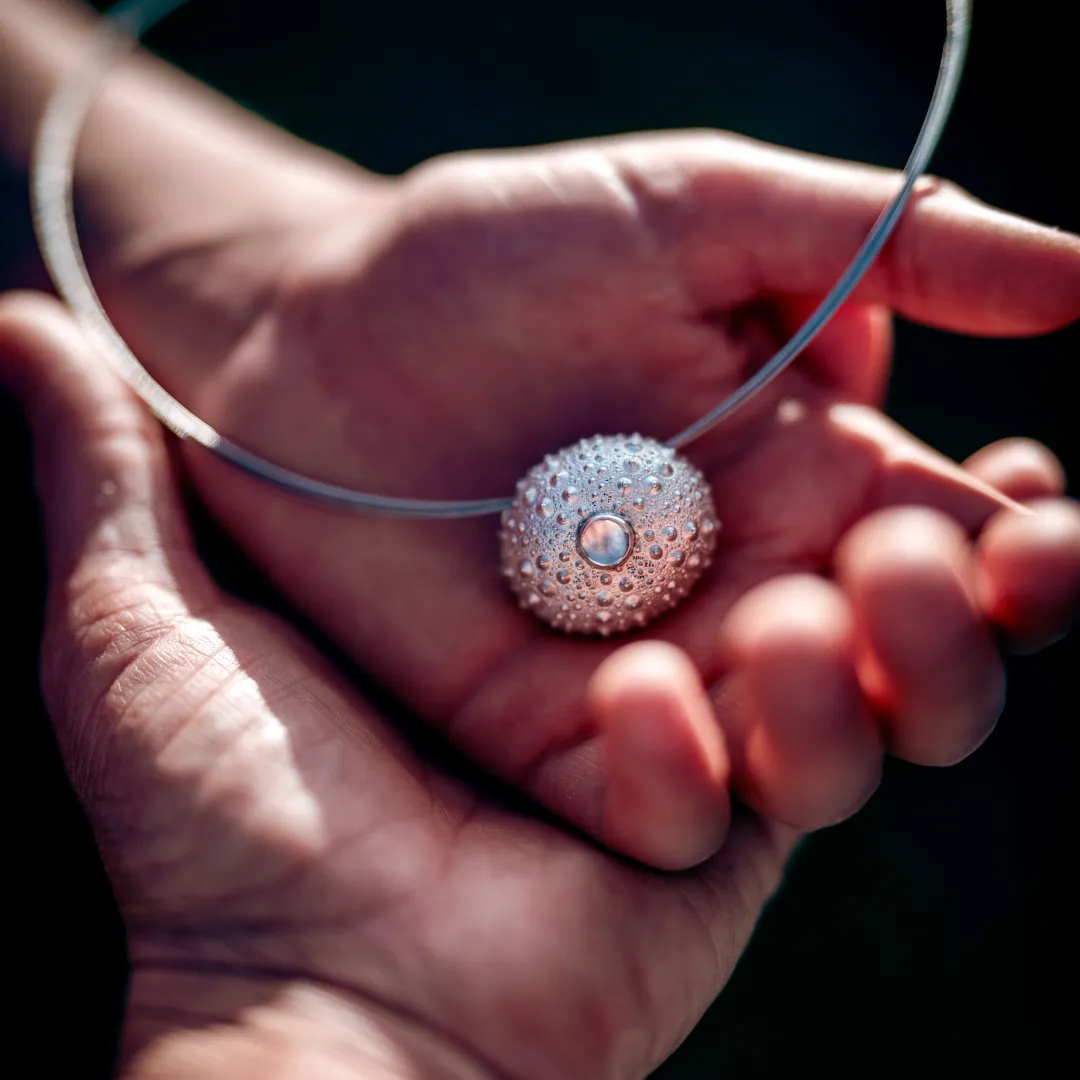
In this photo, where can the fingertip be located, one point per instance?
(666, 768)
(926, 658)
(811, 756)
(792, 642)
(879, 551)
(788, 617)
(1028, 572)
(1021, 468)
(995, 273)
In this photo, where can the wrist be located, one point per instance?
(165, 164)
(239, 1026)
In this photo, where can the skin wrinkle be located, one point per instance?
(579, 753)
(900, 461)
(901, 264)
(175, 593)
(126, 703)
(670, 292)
(578, 1035)
(84, 584)
(96, 708)
(107, 705)
(177, 692)
(731, 892)
(479, 704)
(730, 445)
(260, 1017)
(721, 960)
(103, 654)
(458, 710)
(254, 1015)
(255, 670)
(196, 714)
(641, 195)
(388, 744)
(57, 662)
(360, 996)
(202, 924)
(334, 706)
(334, 854)
(158, 875)
(192, 923)
(642, 989)
(329, 852)
(159, 938)
(248, 723)
(177, 257)
(744, 278)
(648, 1047)
(722, 348)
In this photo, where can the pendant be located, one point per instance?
(607, 534)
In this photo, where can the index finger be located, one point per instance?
(744, 219)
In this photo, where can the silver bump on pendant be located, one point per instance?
(636, 529)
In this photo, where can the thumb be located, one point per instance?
(122, 569)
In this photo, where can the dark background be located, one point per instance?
(930, 934)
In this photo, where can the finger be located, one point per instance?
(1023, 469)
(926, 658)
(797, 220)
(906, 471)
(859, 462)
(665, 798)
(853, 351)
(120, 560)
(1028, 572)
(103, 474)
(805, 751)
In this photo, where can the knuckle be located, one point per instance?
(99, 633)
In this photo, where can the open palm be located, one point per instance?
(300, 890)
(434, 336)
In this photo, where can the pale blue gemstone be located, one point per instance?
(605, 539)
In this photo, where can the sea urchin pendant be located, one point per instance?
(607, 534)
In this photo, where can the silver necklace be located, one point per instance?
(600, 537)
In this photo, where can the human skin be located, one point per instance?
(291, 874)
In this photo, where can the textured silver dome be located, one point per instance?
(607, 534)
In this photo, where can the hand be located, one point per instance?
(435, 335)
(303, 895)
